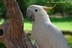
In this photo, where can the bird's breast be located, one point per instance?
(38, 31)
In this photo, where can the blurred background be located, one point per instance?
(60, 15)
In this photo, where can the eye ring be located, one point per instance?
(36, 10)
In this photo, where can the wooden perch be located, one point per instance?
(11, 33)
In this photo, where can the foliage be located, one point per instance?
(24, 4)
(62, 6)
(2, 10)
(2, 45)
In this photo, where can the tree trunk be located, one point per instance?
(11, 33)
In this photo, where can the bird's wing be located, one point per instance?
(56, 37)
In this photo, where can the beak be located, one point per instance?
(47, 8)
(30, 15)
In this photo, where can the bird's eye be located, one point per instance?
(36, 10)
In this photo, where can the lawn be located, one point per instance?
(64, 23)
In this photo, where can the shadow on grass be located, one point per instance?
(70, 45)
(54, 19)
(63, 19)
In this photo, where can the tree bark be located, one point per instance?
(12, 34)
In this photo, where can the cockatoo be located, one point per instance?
(46, 34)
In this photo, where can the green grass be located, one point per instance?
(27, 26)
(1, 21)
(69, 40)
(62, 23)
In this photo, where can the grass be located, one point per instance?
(69, 40)
(62, 23)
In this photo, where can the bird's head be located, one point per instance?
(35, 11)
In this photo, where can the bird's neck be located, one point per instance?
(42, 18)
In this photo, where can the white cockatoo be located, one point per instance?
(46, 34)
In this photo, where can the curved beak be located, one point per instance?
(30, 15)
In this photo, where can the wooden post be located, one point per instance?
(11, 33)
